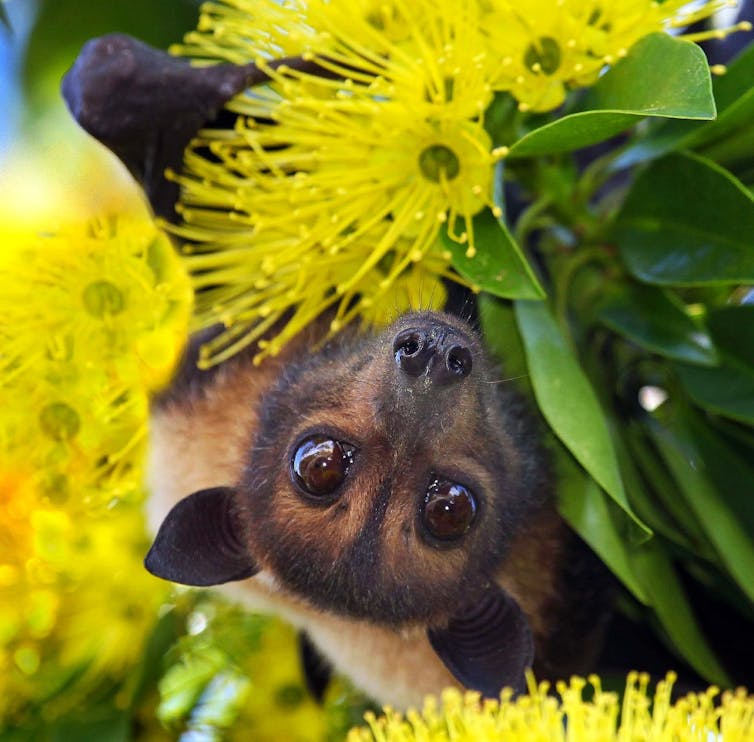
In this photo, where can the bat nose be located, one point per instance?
(438, 352)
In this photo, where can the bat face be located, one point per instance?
(387, 474)
(385, 482)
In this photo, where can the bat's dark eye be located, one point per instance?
(320, 464)
(449, 509)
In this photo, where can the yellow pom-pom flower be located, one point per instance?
(332, 193)
(107, 293)
(92, 320)
(546, 48)
(539, 717)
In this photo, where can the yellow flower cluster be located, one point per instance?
(92, 320)
(539, 717)
(337, 181)
(547, 48)
(333, 194)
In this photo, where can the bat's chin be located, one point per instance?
(350, 593)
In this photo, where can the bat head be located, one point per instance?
(387, 479)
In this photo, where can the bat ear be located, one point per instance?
(200, 542)
(488, 645)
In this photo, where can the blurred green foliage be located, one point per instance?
(62, 27)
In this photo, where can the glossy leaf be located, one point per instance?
(573, 132)
(727, 390)
(734, 98)
(657, 322)
(679, 445)
(567, 400)
(687, 221)
(660, 76)
(591, 513)
(499, 266)
(669, 600)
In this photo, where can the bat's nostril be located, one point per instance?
(458, 361)
(412, 351)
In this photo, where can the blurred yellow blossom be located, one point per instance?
(75, 604)
(93, 319)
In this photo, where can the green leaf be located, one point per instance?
(503, 340)
(567, 400)
(729, 463)
(660, 76)
(591, 513)
(669, 600)
(734, 97)
(499, 266)
(687, 221)
(658, 322)
(733, 330)
(677, 439)
(727, 390)
(662, 506)
(573, 132)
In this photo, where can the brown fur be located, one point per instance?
(369, 612)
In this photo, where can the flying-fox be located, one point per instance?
(388, 496)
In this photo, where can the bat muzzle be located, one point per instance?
(437, 352)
